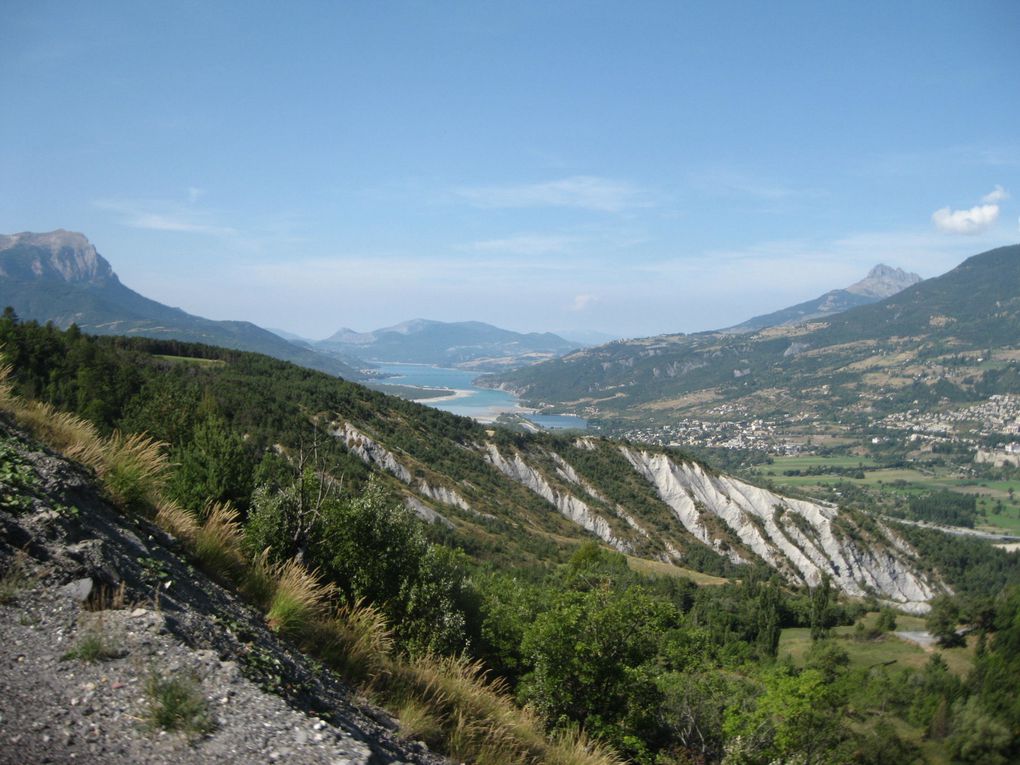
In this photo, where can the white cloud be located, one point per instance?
(977, 218)
(583, 301)
(998, 194)
(583, 192)
(525, 244)
(969, 221)
(156, 215)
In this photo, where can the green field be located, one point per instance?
(795, 642)
(1000, 509)
(803, 462)
(191, 360)
(658, 568)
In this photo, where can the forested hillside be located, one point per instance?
(502, 496)
(508, 570)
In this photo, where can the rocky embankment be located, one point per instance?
(100, 616)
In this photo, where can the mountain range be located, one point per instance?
(60, 277)
(466, 344)
(881, 282)
(920, 344)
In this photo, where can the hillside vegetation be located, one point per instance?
(509, 498)
(467, 344)
(278, 489)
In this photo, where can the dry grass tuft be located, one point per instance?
(259, 580)
(6, 386)
(418, 722)
(477, 717)
(217, 543)
(61, 431)
(299, 599)
(574, 747)
(174, 519)
(105, 598)
(134, 469)
(357, 642)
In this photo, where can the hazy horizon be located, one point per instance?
(631, 169)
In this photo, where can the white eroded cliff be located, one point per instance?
(376, 455)
(799, 538)
(370, 452)
(567, 504)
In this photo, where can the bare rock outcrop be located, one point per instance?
(567, 504)
(799, 538)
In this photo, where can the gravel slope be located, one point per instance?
(264, 701)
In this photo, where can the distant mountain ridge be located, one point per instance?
(881, 282)
(872, 357)
(468, 344)
(59, 276)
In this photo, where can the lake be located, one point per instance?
(467, 399)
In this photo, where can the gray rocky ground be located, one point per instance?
(64, 552)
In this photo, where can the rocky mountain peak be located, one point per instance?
(884, 281)
(60, 254)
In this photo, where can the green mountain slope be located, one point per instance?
(870, 356)
(59, 277)
(519, 499)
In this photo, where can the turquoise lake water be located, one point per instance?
(482, 404)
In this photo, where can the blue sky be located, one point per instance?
(630, 167)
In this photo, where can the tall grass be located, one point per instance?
(173, 518)
(299, 599)
(475, 717)
(217, 542)
(357, 642)
(134, 469)
(62, 431)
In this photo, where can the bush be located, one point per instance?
(375, 551)
(886, 620)
(270, 525)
